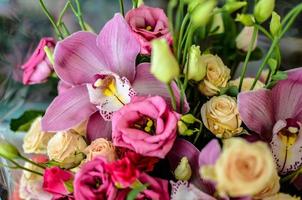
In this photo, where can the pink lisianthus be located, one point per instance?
(54, 181)
(146, 125)
(148, 23)
(93, 182)
(38, 68)
(123, 172)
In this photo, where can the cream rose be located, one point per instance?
(100, 147)
(31, 176)
(282, 196)
(35, 141)
(243, 168)
(81, 128)
(66, 148)
(217, 75)
(247, 84)
(220, 115)
(271, 188)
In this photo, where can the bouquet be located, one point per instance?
(148, 108)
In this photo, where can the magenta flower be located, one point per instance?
(38, 68)
(102, 75)
(148, 23)
(147, 126)
(276, 115)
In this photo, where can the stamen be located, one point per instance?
(149, 28)
(293, 129)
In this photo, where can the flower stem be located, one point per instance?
(181, 35)
(26, 169)
(51, 19)
(80, 16)
(122, 7)
(248, 55)
(32, 162)
(172, 96)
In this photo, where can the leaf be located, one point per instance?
(134, 192)
(230, 90)
(280, 75)
(69, 186)
(272, 64)
(24, 122)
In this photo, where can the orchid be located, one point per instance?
(101, 70)
(276, 115)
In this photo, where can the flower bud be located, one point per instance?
(202, 13)
(244, 39)
(275, 25)
(217, 26)
(193, 4)
(183, 171)
(164, 65)
(263, 10)
(234, 6)
(8, 151)
(188, 118)
(196, 67)
(246, 20)
(182, 127)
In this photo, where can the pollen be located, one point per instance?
(149, 28)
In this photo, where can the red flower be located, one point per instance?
(142, 163)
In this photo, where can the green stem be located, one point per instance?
(181, 35)
(248, 55)
(26, 169)
(122, 9)
(264, 31)
(80, 16)
(134, 3)
(62, 13)
(171, 5)
(32, 162)
(188, 43)
(51, 19)
(172, 96)
(198, 134)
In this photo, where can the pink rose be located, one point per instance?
(123, 172)
(93, 182)
(146, 125)
(54, 181)
(38, 68)
(148, 23)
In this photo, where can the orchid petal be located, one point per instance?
(295, 75)
(287, 100)
(184, 148)
(68, 109)
(287, 152)
(119, 47)
(146, 84)
(209, 154)
(78, 59)
(256, 111)
(97, 127)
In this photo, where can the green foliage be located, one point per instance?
(134, 192)
(24, 122)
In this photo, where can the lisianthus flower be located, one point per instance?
(38, 68)
(148, 23)
(147, 126)
(103, 77)
(276, 115)
(55, 180)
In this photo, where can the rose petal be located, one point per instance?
(68, 109)
(119, 47)
(78, 59)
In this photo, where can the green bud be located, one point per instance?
(263, 10)
(275, 25)
(183, 170)
(234, 6)
(217, 26)
(164, 65)
(246, 20)
(188, 132)
(8, 151)
(188, 118)
(195, 66)
(193, 3)
(202, 13)
(182, 127)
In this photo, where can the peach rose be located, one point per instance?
(247, 84)
(100, 147)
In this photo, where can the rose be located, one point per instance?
(243, 169)
(217, 75)
(146, 125)
(38, 68)
(101, 147)
(93, 182)
(281, 196)
(148, 23)
(247, 84)
(81, 128)
(123, 172)
(32, 189)
(66, 148)
(35, 141)
(55, 180)
(244, 38)
(220, 115)
(271, 188)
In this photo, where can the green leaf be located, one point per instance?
(272, 64)
(280, 75)
(134, 192)
(69, 186)
(24, 122)
(230, 90)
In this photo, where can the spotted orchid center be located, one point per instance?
(145, 124)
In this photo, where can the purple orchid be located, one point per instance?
(197, 188)
(276, 115)
(103, 77)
